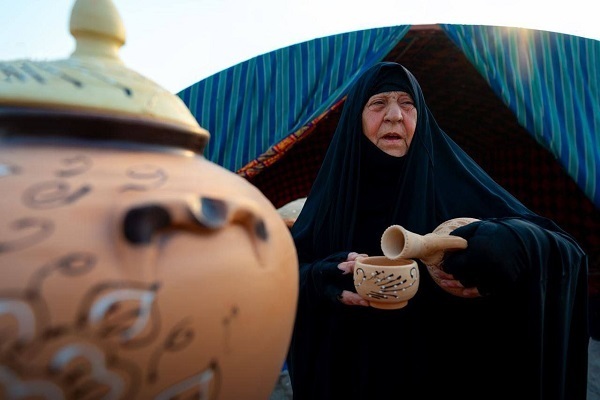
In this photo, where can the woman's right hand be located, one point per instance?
(347, 267)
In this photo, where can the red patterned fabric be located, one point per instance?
(278, 150)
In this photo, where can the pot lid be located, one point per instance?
(94, 79)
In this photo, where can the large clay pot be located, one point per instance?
(131, 267)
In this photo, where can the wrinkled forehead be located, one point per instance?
(393, 95)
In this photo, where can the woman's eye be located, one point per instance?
(377, 103)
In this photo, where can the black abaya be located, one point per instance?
(526, 338)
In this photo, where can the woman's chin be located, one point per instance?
(394, 150)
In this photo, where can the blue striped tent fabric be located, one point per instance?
(551, 82)
(253, 105)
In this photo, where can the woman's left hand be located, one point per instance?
(347, 267)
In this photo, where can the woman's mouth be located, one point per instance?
(391, 136)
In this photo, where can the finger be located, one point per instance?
(438, 273)
(352, 256)
(347, 267)
(444, 275)
(471, 292)
(451, 283)
(353, 299)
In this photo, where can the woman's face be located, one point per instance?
(389, 120)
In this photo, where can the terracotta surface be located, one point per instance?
(132, 267)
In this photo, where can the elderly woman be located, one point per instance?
(519, 328)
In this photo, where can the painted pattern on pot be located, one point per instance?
(132, 267)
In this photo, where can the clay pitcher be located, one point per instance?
(398, 242)
(131, 267)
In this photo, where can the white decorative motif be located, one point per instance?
(145, 298)
(97, 362)
(24, 316)
(200, 382)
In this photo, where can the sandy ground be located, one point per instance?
(283, 389)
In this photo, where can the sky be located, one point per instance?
(176, 43)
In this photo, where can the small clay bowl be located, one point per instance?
(385, 283)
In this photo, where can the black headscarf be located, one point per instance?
(533, 336)
(439, 180)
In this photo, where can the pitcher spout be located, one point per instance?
(399, 242)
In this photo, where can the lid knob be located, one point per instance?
(97, 28)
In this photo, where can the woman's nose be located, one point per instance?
(394, 113)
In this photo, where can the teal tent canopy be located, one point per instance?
(259, 109)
